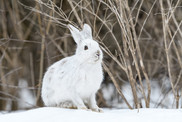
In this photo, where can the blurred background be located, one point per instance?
(141, 41)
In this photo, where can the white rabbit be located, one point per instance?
(73, 81)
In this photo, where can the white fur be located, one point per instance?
(73, 81)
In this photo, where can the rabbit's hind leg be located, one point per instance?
(67, 104)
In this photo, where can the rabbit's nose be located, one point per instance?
(98, 53)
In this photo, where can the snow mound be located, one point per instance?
(50, 114)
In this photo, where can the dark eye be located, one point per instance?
(85, 47)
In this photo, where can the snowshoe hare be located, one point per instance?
(73, 81)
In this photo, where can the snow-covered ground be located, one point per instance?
(48, 114)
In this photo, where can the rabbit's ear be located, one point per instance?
(87, 31)
(75, 33)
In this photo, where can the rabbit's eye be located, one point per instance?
(85, 47)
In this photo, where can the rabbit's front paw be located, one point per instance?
(97, 109)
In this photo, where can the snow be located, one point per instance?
(161, 95)
(27, 100)
(47, 114)
(156, 113)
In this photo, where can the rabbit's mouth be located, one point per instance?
(96, 58)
